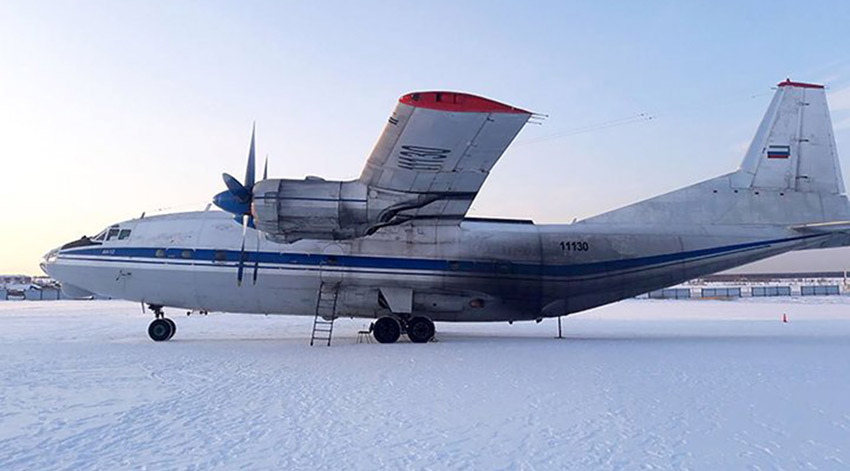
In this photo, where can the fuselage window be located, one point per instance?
(113, 233)
(160, 253)
(123, 234)
(186, 254)
(220, 256)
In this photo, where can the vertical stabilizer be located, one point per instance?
(790, 175)
(794, 148)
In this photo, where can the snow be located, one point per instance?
(638, 385)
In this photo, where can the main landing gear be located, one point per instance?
(388, 329)
(162, 328)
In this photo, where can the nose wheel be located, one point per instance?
(162, 328)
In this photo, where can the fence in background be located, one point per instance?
(820, 290)
(766, 291)
(725, 292)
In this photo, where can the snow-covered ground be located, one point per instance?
(710, 385)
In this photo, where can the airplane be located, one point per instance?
(396, 245)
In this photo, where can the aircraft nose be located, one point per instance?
(48, 259)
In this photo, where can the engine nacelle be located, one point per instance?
(313, 208)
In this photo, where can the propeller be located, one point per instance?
(237, 200)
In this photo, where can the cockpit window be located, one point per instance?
(113, 233)
(123, 234)
(100, 236)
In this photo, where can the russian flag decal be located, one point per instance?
(778, 152)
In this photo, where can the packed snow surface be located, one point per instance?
(637, 385)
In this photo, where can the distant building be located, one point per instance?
(31, 288)
(15, 280)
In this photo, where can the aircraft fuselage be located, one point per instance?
(477, 271)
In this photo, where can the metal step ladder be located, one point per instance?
(325, 308)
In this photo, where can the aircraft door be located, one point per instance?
(330, 271)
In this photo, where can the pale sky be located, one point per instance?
(109, 109)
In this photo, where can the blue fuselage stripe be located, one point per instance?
(493, 267)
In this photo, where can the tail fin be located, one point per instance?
(794, 148)
(790, 175)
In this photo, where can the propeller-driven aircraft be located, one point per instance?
(395, 244)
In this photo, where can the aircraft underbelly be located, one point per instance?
(294, 291)
(617, 276)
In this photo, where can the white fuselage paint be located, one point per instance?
(477, 271)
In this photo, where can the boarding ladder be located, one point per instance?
(325, 309)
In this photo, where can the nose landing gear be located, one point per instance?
(162, 328)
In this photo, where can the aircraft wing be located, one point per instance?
(824, 227)
(437, 149)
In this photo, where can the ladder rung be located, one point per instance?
(325, 304)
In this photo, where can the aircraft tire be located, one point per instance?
(420, 330)
(386, 330)
(173, 328)
(160, 330)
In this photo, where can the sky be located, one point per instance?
(111, 109)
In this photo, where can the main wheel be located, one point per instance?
(386, 330)
(420, 330)
(173, 327)
(161, 330)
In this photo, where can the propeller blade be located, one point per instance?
(249, 172)
(257, 258)
(266, 168)
(239, 191)
(241, 268)
(237, 198)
